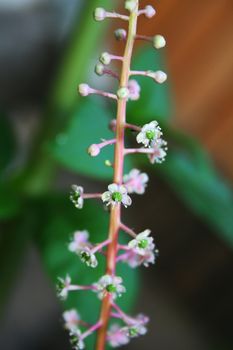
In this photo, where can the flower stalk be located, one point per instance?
(141, 249)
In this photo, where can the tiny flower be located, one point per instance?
(88, 257)
(63, 286)
(135, 330)
(159, 152)
(130, 5)
(71, 318)
(149, 11)
(133, 259)
(134, 90)
(116, 336)
(116, 194)
(99, 69)
(142, 242)
(123, 93)
(94, 150)
(149, 134)
(84, 90)
(159, 41)
(99, 14)
(76, 196)
(80, 240)
(105, 58)
(135, 181)
(120, 34)
(110, 285)
(76, 340)
(113, 125)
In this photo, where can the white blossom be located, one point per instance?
(88, 257)
(142, 242)
(63, 286)
(135, 181)
(76, 340)
(110, 285)
(134, 90)
(116, 194)
(149, 134)
(76, 196)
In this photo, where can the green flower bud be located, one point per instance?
(123, 93)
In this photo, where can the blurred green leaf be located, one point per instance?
(191, 174)
(60, 220)
(10, 202)
(155, 100)
(7, 143)
(88, 125)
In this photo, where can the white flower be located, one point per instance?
(134, 90)
(136, 182)
(63, 287)
(80, 241)
(76, 196)
(71, 318)
(142, 242)
(149, 134)
(135, 330)
(159, 152)
(116, 194)
(76, 340)
(116, 336)
(88, 257)
(110, 285)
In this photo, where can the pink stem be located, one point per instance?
(91, 195)
(122, 257)
(133, 127)
(100, 246)
(125, 317)
(117, 15)
(138, 150)
(106, 143)
(143, 37)
(91, 330)
(128, 230)
(111, 73)
(102, 93)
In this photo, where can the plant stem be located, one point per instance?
(115, 215)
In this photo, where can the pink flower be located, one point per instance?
(159, 152)
(79, 242)
(134, 90)
(71, 318)
(136, 182)
(117, 336)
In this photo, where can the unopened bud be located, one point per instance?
(149, 11)
(159, 41)
(120, 34)
(130, 5)
(93, 150)
(99, 69)
(160, 77)
(112, 125)
(105, 58)
(84, 90)
(123, 93)
(99, 14)
(108, 163)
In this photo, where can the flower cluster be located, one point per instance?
(140, 248)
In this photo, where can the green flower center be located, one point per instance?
(117, 197)
(143, 243)
(85, 256)
(60, 286)
(111, 288)
(150, 135)
(75, 196)
(133, 332)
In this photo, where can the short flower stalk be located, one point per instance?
(141, 249)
